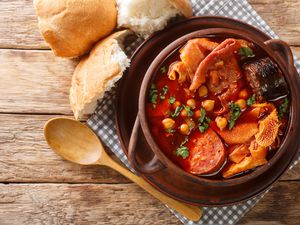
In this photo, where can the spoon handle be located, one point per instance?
(191, 212)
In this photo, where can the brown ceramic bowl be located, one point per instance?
(170, 178)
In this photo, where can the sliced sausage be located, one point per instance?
(207, 153)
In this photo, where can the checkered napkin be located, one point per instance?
(102, 122)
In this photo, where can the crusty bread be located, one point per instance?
(184, 6)
(147, 16)
(97, 73)
(72, 27)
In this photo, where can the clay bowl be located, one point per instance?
(146, 157)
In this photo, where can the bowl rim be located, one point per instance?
(150, 74)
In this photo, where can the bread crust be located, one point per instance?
(184, 6)
(72, 27)
(94, 75)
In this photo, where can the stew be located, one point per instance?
(218, 107)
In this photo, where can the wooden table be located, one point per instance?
(37, 187)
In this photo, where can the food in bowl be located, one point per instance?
(218, 107)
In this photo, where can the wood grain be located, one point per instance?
(34, 82)
(281, 206)
(20, 28)
(37, 82)
(281, 16)
(122, 204)
(25, 156)
(80, 204)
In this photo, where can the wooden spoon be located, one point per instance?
(77, 143)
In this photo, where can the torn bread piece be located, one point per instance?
(97, 73)
(71, 28)
(147, 16)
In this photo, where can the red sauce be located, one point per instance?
(170, 140)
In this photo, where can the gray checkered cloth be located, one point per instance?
(102, 122)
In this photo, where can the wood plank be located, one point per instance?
(281, 16)
(34, 82)
(280, 206)
(80, 204)
(122, 204)
(25, 156)
(20, 28)
(37, 82)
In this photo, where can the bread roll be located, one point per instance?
(147, 16)
(97, 73)
(72, 27)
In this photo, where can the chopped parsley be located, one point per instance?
(170, 130)
(188, 111)
(177, 111)
(203, 121)
(202, 115)
(250, 101)
(153, 95)
(283, 108)
(235, 113)
(183, 151)
(163, 69)
(163, 92)
(172, 100)
(246, 52)
(185, 141)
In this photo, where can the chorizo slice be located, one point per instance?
(207, 153)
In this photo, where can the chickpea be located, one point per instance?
(202, 91)
(244, 94)
(191, 103)
(197, 114)
(221, 122)
(241, 103)
(184, 129)
(183, 113)
(168, 123)
(208, 105)
(176, 104)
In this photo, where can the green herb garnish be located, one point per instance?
(246, 52)
(188, 111)
(170, 130)
(163, 92)
(153, 95)
(185, 141)
(177, 111)
(183, 151)
(202, 115)
(235, 113)
(172, 100)
(203, 121)
(283, 108)
(163, 69)
(250, 101)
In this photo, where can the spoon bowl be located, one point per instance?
(77, 143)
(73, 141)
